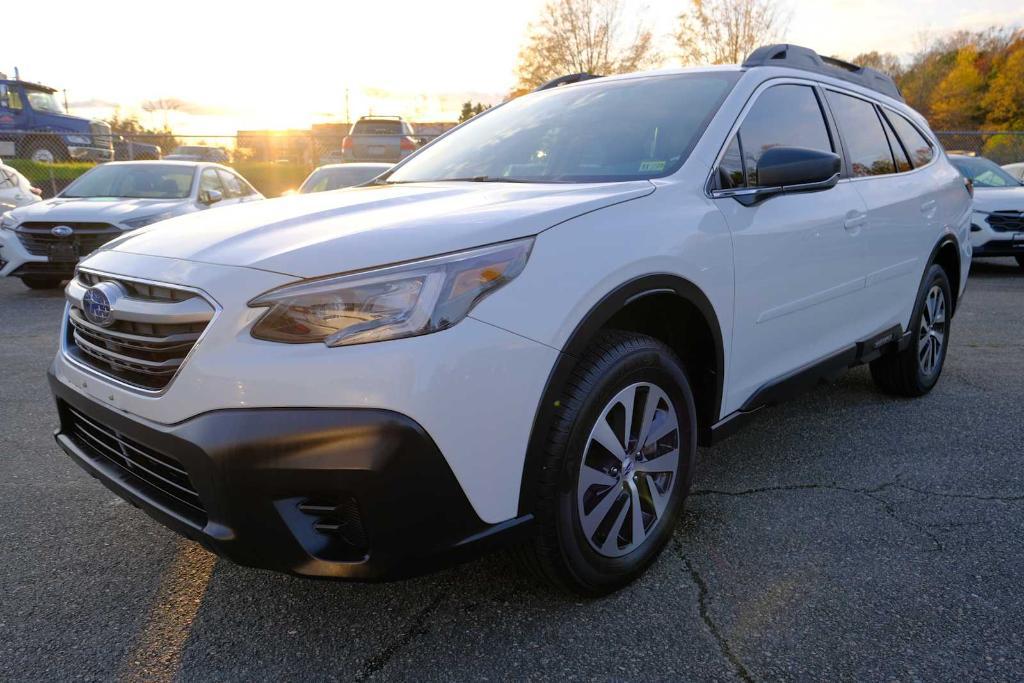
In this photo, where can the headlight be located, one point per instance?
(388, 303)
(8, 222)
(78, 139)
(137, 223)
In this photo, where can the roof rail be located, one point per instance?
(796, 57)
(565, 80)
(373, 116)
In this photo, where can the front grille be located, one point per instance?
(1006, 221)
(100, 134)
(146, 351)
(157, 474)
(85, 237)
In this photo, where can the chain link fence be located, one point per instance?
(273, 161)
(278, 161)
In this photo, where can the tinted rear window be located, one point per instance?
(374, 127)
(918, 147)
(862, 132)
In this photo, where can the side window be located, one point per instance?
(863, 134)
(232, 187)
(210, 181)
(730, 171)
(782, 116)
(247, 189)
(9, 98)
(898, 153)
(918, 147)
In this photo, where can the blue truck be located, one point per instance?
(34, 125)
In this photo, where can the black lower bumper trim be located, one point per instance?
(337, 493)
(996, 248)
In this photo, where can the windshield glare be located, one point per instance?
(134, 181)
(43, 101)
(985, 173)
(600, 131)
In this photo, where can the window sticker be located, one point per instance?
(649, 166)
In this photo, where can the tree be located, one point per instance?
(726, 31)
(574, 36)
(957, 101)
(886, 62)
(469, 110)
(130, 127)
(1005, 97)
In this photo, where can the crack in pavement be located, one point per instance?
(871, 493)
(868, 491)
(417, 627)
(705, 615)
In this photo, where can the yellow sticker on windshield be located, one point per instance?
(647, 166)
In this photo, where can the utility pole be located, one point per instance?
(348, 117)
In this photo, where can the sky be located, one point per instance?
(254, 65)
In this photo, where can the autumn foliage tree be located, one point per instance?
(592, 36)
(726, 31)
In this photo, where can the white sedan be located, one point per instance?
(41, 243)
(15, 189)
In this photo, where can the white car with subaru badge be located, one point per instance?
(521, 333)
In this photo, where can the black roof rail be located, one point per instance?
(796, 57)
(566, 80)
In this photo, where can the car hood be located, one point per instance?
(999, 198)
(96, 210)
(344, 230)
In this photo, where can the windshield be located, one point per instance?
(337, 178)
(984, 173)
(134, 181)
(40, 100)
(601, 131)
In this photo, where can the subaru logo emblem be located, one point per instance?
(61, 231)
(99, 301)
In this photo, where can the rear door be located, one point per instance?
(901, 204)
(800, 258)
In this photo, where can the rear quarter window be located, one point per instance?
(917, 146)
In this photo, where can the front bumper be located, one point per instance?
(340, 493)
(1000, 247)
(99, 155)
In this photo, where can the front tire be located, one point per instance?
(915, 370)
(619, 463)
(41, 282)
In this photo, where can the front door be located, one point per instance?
(800, 258)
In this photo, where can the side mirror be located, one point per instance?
(210, 196)
(793, 166)
(784, 170)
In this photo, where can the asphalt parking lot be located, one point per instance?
(846, 535)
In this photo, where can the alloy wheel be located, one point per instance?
(932, 334)
(628, 470)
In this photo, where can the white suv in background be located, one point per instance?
(997, 228)
(41, 243)
(522, 332)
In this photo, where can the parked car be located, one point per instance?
(379, 138)
(523, 331)
(42, 243)
(131, 150)
(15, 189)
(337, 176)
(1016, 170)
(216, 155)
(34, 125)
(997, 225)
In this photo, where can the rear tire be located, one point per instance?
(42, 282)
(916, 369)
(589, 539)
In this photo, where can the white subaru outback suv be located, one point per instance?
(523, 331)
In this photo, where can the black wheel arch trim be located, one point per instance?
(946, 239)
(596, 318)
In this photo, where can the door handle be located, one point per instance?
(928, 208)
(855, 220)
